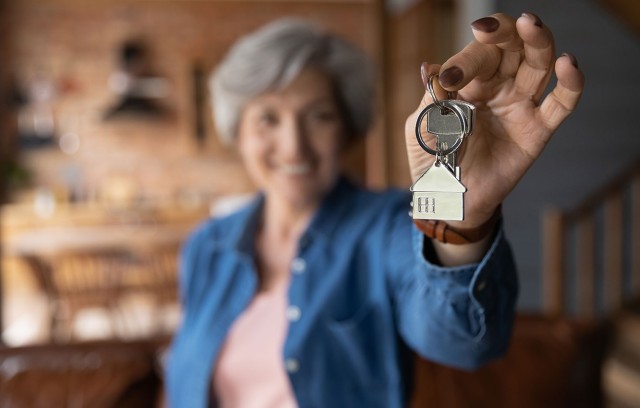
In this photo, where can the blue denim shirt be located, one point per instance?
(365, 292)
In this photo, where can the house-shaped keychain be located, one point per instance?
(438, 195)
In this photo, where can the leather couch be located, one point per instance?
(552, 362)
(97, 375)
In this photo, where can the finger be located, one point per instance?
(539, 51)
(426, 71)
(476, 60)
(565, 96)
(418, 160)
(500, 30)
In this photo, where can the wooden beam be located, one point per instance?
(7, 138)
(627, 11)
(376, 161)
(585, 267)
(635, 235)
(613, 252)
(553, 262)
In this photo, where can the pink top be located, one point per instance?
(250, 368)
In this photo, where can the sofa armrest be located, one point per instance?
(97, 374)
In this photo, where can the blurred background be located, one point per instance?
(108, 154)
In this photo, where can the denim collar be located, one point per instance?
(321, 228)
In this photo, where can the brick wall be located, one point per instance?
(74, 46)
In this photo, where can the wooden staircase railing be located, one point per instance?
(596, 246)
(627, 11)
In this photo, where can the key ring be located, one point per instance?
(463, 124)
(450, 95)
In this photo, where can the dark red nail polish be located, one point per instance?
(536, 20)
(451, 76)
(572, 58)
(423, 74)
(486, 24)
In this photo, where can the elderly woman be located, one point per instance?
(309, 295)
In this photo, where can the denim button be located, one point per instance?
(298, 265)
(293, 313)
(292, 365)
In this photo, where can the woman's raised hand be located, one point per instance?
(504, 73)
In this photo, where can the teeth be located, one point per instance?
(295, 169)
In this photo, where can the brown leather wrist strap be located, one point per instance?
(443, 232)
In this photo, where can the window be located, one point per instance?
(427, 205)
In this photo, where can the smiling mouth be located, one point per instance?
(295, 169)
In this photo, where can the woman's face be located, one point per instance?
(290, 140)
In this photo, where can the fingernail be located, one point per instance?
(451, 76)
(535, 19)
(572, 58)
(486, 24)
(423, 74)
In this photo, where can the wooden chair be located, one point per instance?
(76, 281)
(155, 277)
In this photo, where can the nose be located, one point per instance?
(293, 139)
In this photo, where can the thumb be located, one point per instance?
(419, 160)
(429, 74)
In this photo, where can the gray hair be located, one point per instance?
(273, 56)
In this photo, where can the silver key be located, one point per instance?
(443, 125)
(445, 121)
(451, 124)
(450, 121)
